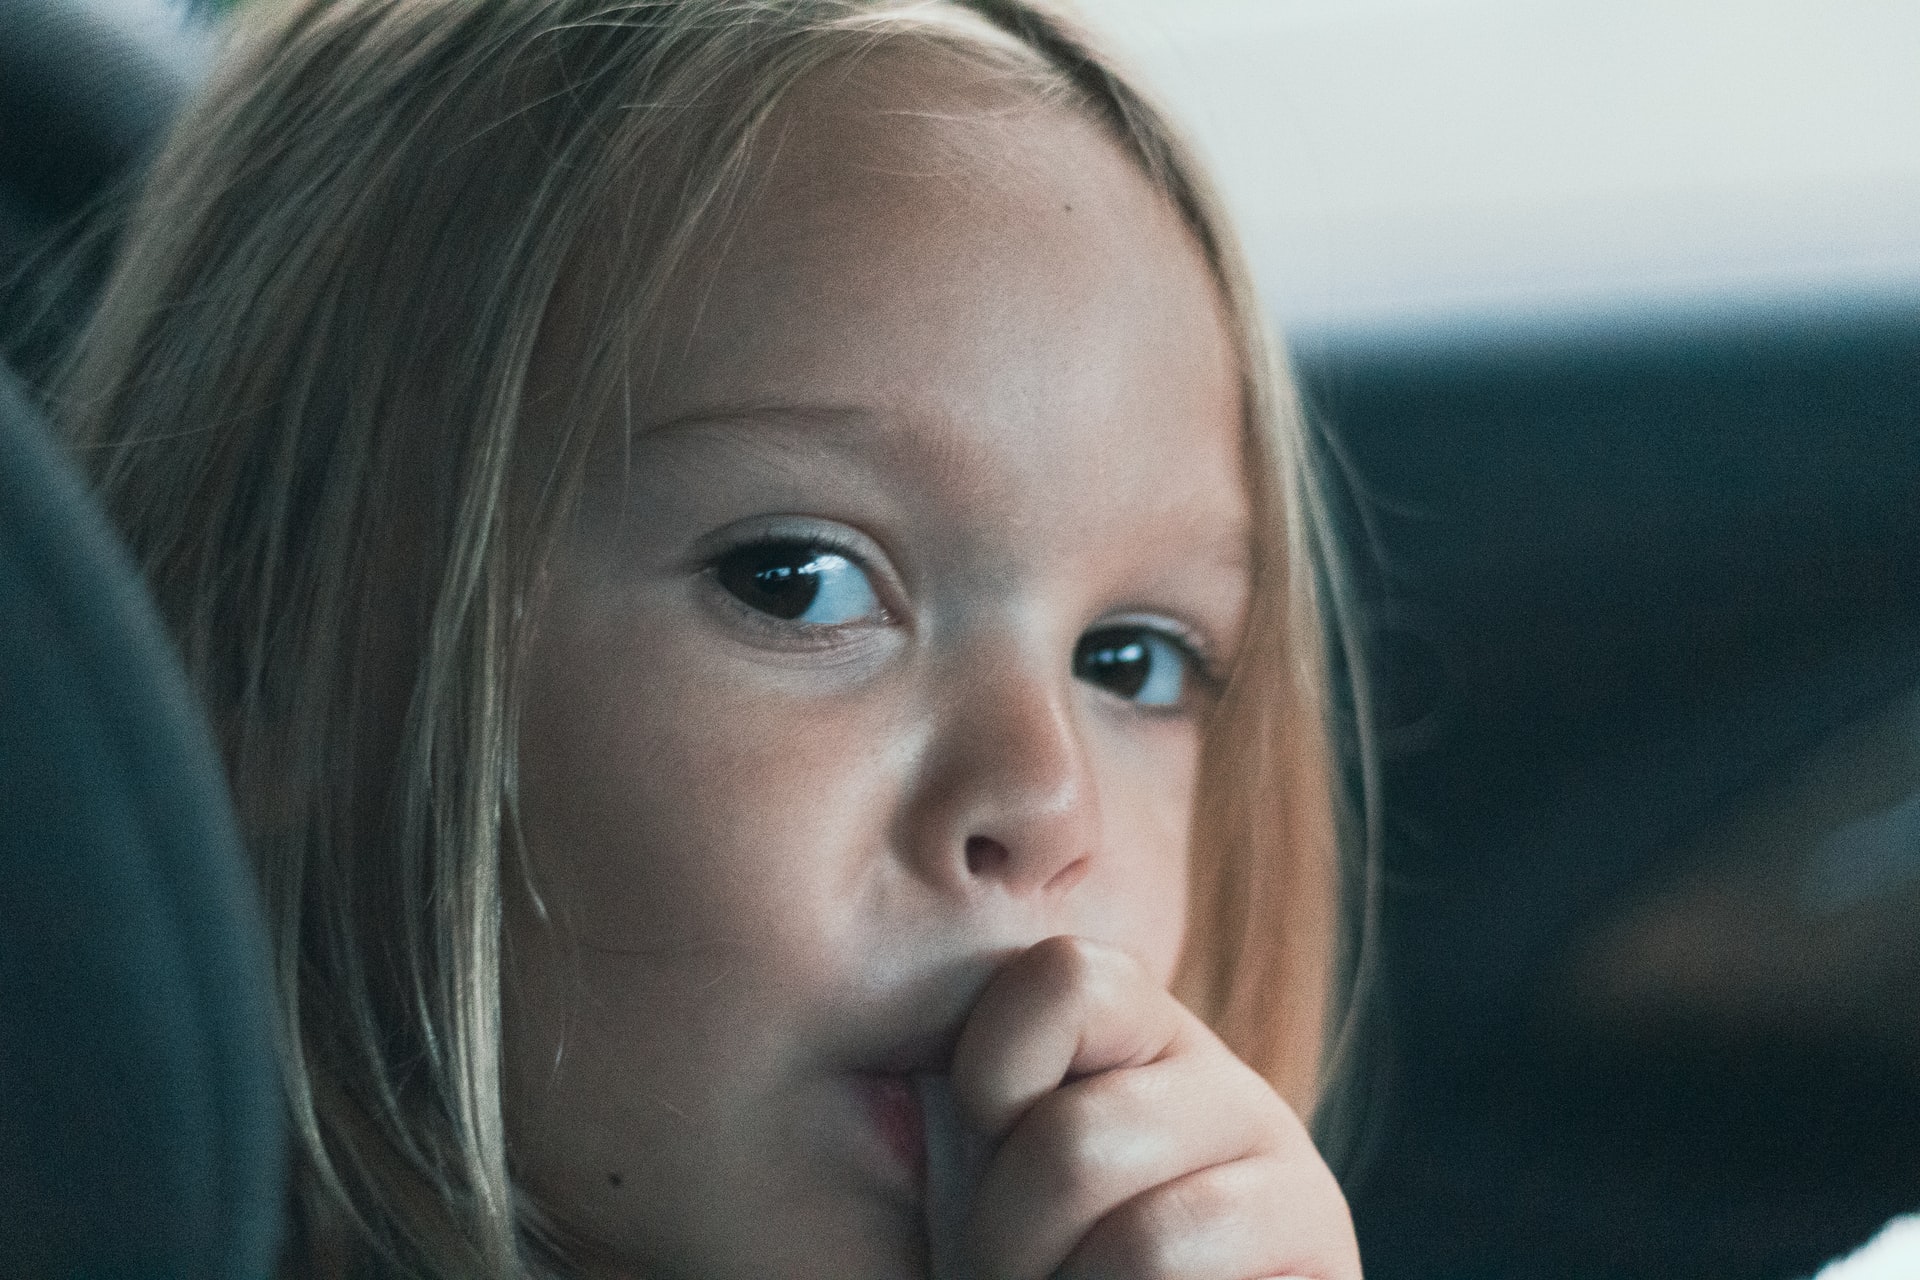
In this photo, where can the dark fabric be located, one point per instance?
(1622, 571)
(140, 1123)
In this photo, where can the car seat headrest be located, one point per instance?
(141, 1133)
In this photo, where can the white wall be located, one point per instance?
(1405, 156)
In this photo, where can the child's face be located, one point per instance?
(876, 667)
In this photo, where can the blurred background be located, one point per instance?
(1609, 321)
(1397, 161)
(1610, 317)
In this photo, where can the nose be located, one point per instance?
(1005, 794)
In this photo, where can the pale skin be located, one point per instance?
(863, 722)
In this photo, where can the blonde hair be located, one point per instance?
(303, 396)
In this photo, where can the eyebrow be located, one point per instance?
(749, 412)
(941, 448)
(1234, 552)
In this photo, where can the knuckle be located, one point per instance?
(1085, 1143)
(1141, 1249)
(1163, 1234)
(1071, 973)
(1193, 1205)
(1064, 965)
(1073, 1142)
(1121, 1100)
(1173, 1232)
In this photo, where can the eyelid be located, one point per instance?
(854, 544)
(1203, 664)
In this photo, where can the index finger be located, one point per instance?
(1063, 1008)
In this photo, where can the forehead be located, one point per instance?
(983, 275)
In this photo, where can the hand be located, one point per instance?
(1133, 1144)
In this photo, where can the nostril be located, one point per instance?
(1068, 876)
(987, 856)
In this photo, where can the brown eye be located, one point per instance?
(798, 581)
(1139, 664)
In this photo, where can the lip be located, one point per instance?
(897, 1125)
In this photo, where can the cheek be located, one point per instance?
(701, 873)
(1147, 787)
(670, 803)
(699, 864)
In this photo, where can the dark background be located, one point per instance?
(1627, 576)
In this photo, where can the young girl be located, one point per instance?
(749, 560)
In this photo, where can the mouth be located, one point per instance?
(892, 1106)
(903, 1043)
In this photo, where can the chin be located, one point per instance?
(839, 1237)
(759, 1233)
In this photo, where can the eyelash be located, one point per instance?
(791, 630)
(1202, 668)
(1193, 649)
(1192, 646)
